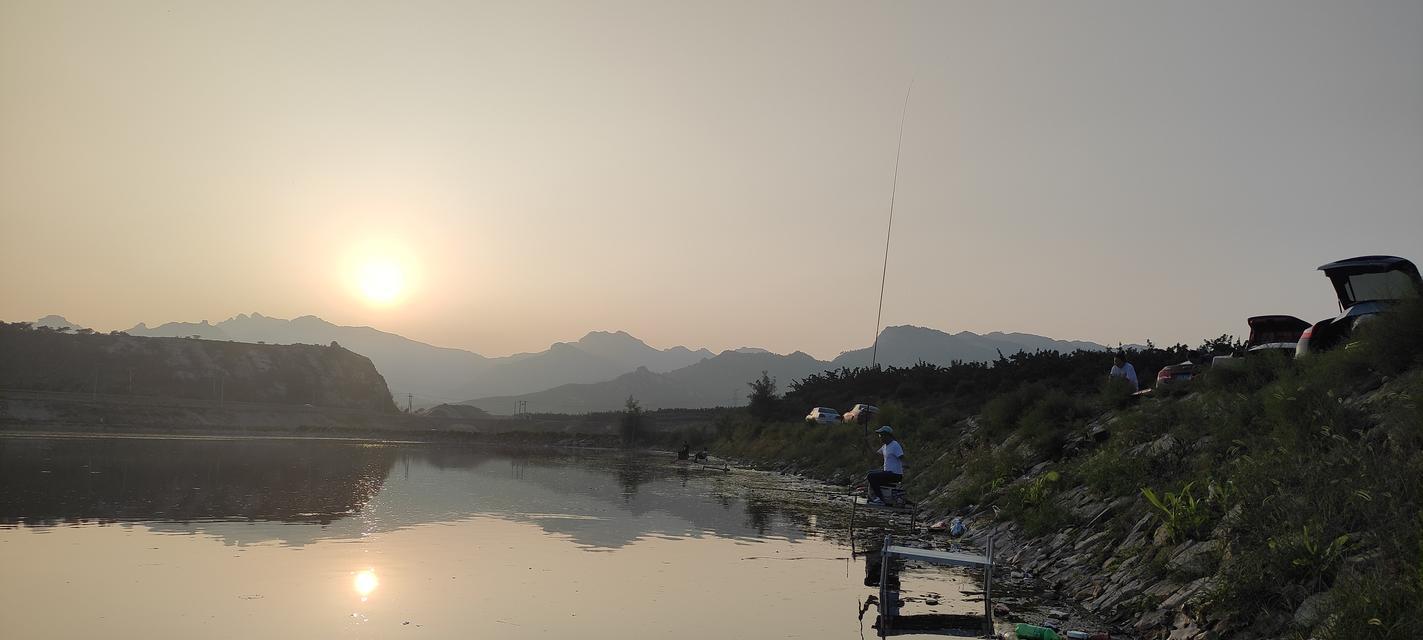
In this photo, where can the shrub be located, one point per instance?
(1111, 472)
(1000, 415)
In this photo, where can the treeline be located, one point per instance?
(963, 388)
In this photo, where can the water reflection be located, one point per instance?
(54, 481)
(366, 582)
(298, 492)
(329, 539)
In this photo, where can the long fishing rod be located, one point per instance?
(888, 233)
(894, 188)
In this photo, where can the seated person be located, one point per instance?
(892, 472)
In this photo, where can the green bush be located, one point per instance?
(1110, 472)
(1031, 504)
(1001, 414)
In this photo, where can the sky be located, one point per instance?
(712, 174)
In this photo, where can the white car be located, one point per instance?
(861, 413)
(822, 415)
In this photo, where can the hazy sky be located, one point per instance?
(713, 174)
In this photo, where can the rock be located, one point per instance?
(1000, 609)
(1196, 559)
(1059, 614)
(1135, 536)
(1184, 595)
(931, 602)
(1185, 628)
(1162, 537)
(1312, 611)
(1163, 447)
(1150, 621)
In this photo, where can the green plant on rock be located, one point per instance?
(1183, 515)
(1036, 492)
(1313, 561)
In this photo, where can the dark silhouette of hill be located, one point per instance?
(44, 359)
(409, 366)
(438, 374)
(599, 371)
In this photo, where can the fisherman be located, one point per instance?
(685, 452)
(1123, 369)
(702, 455)
(893, 469)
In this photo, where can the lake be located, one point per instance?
(238, 538)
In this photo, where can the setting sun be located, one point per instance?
(381, 281)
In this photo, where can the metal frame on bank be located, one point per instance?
(889, 600)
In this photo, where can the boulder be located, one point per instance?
(1312, 611)
(1196, 558)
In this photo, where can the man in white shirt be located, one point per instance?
(1123, 369)
(893, 469)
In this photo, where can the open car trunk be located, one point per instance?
(1373, 279)
(1274, 331)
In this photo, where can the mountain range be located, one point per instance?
(721, 381)
(435, 375)
(597, 372)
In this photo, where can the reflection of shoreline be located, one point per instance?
(297, 491)
(69, 480)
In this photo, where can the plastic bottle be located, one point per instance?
(1033, 632)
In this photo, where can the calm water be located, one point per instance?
(156, 538)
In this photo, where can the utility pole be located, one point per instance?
(409, 402)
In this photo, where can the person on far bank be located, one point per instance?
(893, 469)
(1123, 369)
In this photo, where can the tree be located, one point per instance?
(632, 424)
(763, 397)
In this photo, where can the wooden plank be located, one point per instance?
(941, 557)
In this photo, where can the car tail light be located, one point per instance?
(1302, 345)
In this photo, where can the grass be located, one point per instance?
(1308, 473)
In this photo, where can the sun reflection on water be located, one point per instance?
(366, 582)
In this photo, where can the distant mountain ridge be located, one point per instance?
(905, 345)
(437, 375)
(599, 371)
(721, 381)
(718, 381)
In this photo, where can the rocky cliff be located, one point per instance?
(45, 359)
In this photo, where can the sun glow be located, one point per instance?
(381, 281)
(366, 582)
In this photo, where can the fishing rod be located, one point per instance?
(888, 233)
(893, 190)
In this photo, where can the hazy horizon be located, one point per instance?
(501, 176)
(572, 339)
